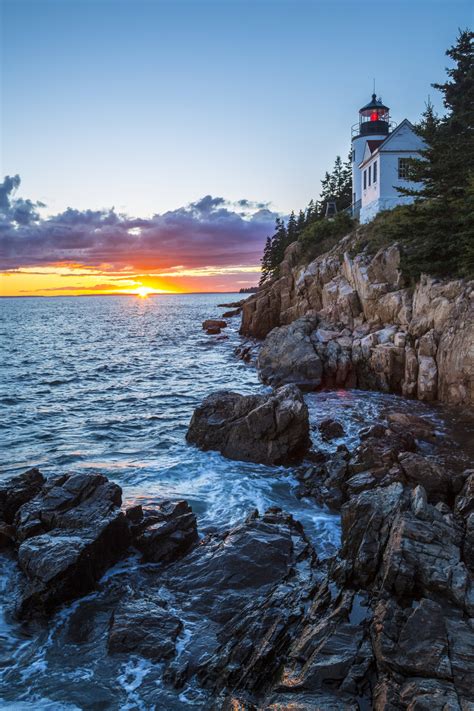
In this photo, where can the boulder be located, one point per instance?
(268, 429)
(166, 533)
(141, 626)
(68, 502)
(63, 565)
(211, 323)
(331, 429)
(67, 535)
(417, 426)
(17, 491)
(289, 356)
(431, 473)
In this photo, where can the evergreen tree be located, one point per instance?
(291, 229)
(447, 161)
(301, 222)
(266, 262)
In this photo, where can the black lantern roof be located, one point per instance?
(374, 104)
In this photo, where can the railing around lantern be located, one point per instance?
(355, 128)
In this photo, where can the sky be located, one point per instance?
(155, 141)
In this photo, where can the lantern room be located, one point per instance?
(374, 118)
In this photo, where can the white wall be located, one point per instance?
(372, 192)
(358, 144)
(389, 173)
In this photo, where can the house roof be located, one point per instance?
(376, 146)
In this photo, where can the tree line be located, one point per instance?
(336, 186)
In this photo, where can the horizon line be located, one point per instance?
(69, 296)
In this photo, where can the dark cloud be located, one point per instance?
(16, 210)
(208, 232)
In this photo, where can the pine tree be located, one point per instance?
(266, 261)
(447, 161)
(291, 229)
(301, 222)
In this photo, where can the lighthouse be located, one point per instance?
(380, 160)
(373, 128)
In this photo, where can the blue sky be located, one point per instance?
(150, 105)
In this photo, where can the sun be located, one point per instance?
(144, 291)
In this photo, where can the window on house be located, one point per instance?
(375, 172)
(353, 154)
(365, 179)
(403, 168)
(370, 174)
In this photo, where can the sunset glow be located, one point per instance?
(144, 291)
(208, 245)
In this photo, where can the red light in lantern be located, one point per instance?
(374, 116)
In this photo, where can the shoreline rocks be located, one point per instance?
(385, 624)
(369, 329)
(68, 530)
(266, 429)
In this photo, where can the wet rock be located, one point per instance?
(231, 314)
(17, 491)
(417, 426)
(379, 451)
(422, 640)
(68, 502)
(140, 626)
(325, 481)
(258, 602)
(289, 356)
(434, 476)
(7, 535)
(331, 429)
(366, 523)
(213, 324)
(166, 533)
(68, 535)
(423, 557)
(61, 566)
(134, 513)
(269, 429)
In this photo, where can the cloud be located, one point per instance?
(209, 233)
(79, 287)
(16, 210)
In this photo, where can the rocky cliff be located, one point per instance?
(357, 323)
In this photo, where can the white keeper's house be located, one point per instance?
(379, 160)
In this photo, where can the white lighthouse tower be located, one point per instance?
(373, 128)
